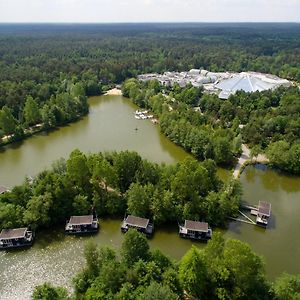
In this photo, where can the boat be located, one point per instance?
(78, 225)
(140, 224)
(195, 230)
(16, 238)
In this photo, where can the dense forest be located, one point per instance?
(41, 64)
(115, 183)
(222, 270)
(211, 128)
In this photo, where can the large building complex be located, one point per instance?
(222, 83)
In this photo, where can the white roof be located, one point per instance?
(249, 82)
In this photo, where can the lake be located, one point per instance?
(111, 125)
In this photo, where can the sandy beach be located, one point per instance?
(114, 92)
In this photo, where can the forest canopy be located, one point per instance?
(222, 270)
(119, 183)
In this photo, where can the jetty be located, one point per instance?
(16, 238)
(262, 212)
(140, 224)
(195, 230)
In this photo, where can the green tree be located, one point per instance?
(78, 170)
(134, 247)
(156, 291)
(7, 120)
(127, 164)
(37, 210)
(287, 287)
(31, 111)
(254, 151)
(193, 274)
(139, 199)
(47, 291)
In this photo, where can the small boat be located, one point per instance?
(138, 117)
(140, 224)
(16, 238)
(195, 230)
(86, 224)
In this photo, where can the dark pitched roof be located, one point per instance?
(264, 208)
(196, 226)
(137, 221)
(3, 189)
(13, 233)
(81, 220)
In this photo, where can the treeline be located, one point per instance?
(209, 127)
(116, 52)
(43, 61)
(27, 106)
(270, 122)
(115, 183)
(222, 270)
(197, 133)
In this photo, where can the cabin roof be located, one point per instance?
(264, 208)
(81, 220)
(13, 233)
(196, 226)
(137, 221)
(3, 189)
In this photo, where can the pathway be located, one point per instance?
(246, 157)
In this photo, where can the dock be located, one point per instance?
(262, 212)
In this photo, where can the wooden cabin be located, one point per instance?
(195, 230)
(263, 213)
(16, 238)
(141, 224)
(82, 225)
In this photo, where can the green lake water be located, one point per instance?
(111, 125)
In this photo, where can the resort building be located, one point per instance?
(223, 84)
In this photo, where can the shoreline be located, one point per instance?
(246, 160)
(114, 92)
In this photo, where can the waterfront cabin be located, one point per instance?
(82, 225)
(195, 230)
(141, 224)
(15, 238)
(3, 190)
(263, 213)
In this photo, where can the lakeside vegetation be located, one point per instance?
(211, 128)
(47, 70)
(115, 183)
(45, 80)
(222, 270)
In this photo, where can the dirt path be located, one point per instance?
(246, 157)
